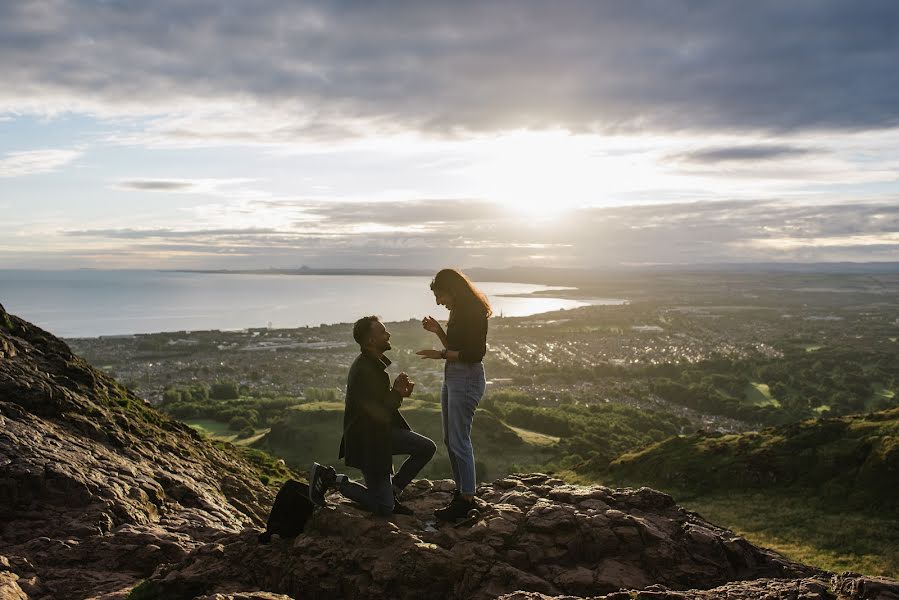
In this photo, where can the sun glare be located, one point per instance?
(546, 174)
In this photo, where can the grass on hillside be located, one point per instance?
(317, 406)
(802, 529)
(221, 432)
(880, 394)
(880, 391)
(758, 394)
(534, 437)
(820, 491)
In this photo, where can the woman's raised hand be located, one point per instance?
(431, 324)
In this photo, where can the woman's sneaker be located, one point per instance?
(455, 497)
(456, 509)
(320, 479)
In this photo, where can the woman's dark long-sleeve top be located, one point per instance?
(466, 332)
(372, 410)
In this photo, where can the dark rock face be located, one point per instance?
(99, 491)
(96, 488)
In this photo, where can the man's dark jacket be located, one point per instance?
(372, 410)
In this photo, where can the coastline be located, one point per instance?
(92, 303)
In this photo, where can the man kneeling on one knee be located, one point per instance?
(374, 430)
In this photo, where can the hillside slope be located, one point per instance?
(96, 487)
(852, 461)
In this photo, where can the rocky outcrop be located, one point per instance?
(848, 586)
(96, 488)
(541, 536)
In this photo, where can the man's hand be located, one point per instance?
(431, 324)
(429, 354)
(403, 385)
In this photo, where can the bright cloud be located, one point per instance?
(890, 239)
(33, 162)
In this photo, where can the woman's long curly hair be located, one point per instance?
(457, 285)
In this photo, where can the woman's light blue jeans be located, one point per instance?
(463, 387)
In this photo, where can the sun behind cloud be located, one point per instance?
(551, 173)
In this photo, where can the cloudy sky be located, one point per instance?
(230, 134)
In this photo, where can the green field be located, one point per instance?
(534, 437)
(758, 394)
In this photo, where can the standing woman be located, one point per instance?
(464, 345)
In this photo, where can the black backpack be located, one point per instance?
(291, 510)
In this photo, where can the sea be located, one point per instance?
(93, 303)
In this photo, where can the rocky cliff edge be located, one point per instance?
(97, 488)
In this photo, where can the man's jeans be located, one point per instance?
(377, 493)
(463, 387)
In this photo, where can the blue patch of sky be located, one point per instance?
(26, 133)
(346, 171)
(131, 162)
(873, 189)
(89, 180)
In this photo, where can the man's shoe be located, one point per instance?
(401, 509)
(320, 479)
(456, 509)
